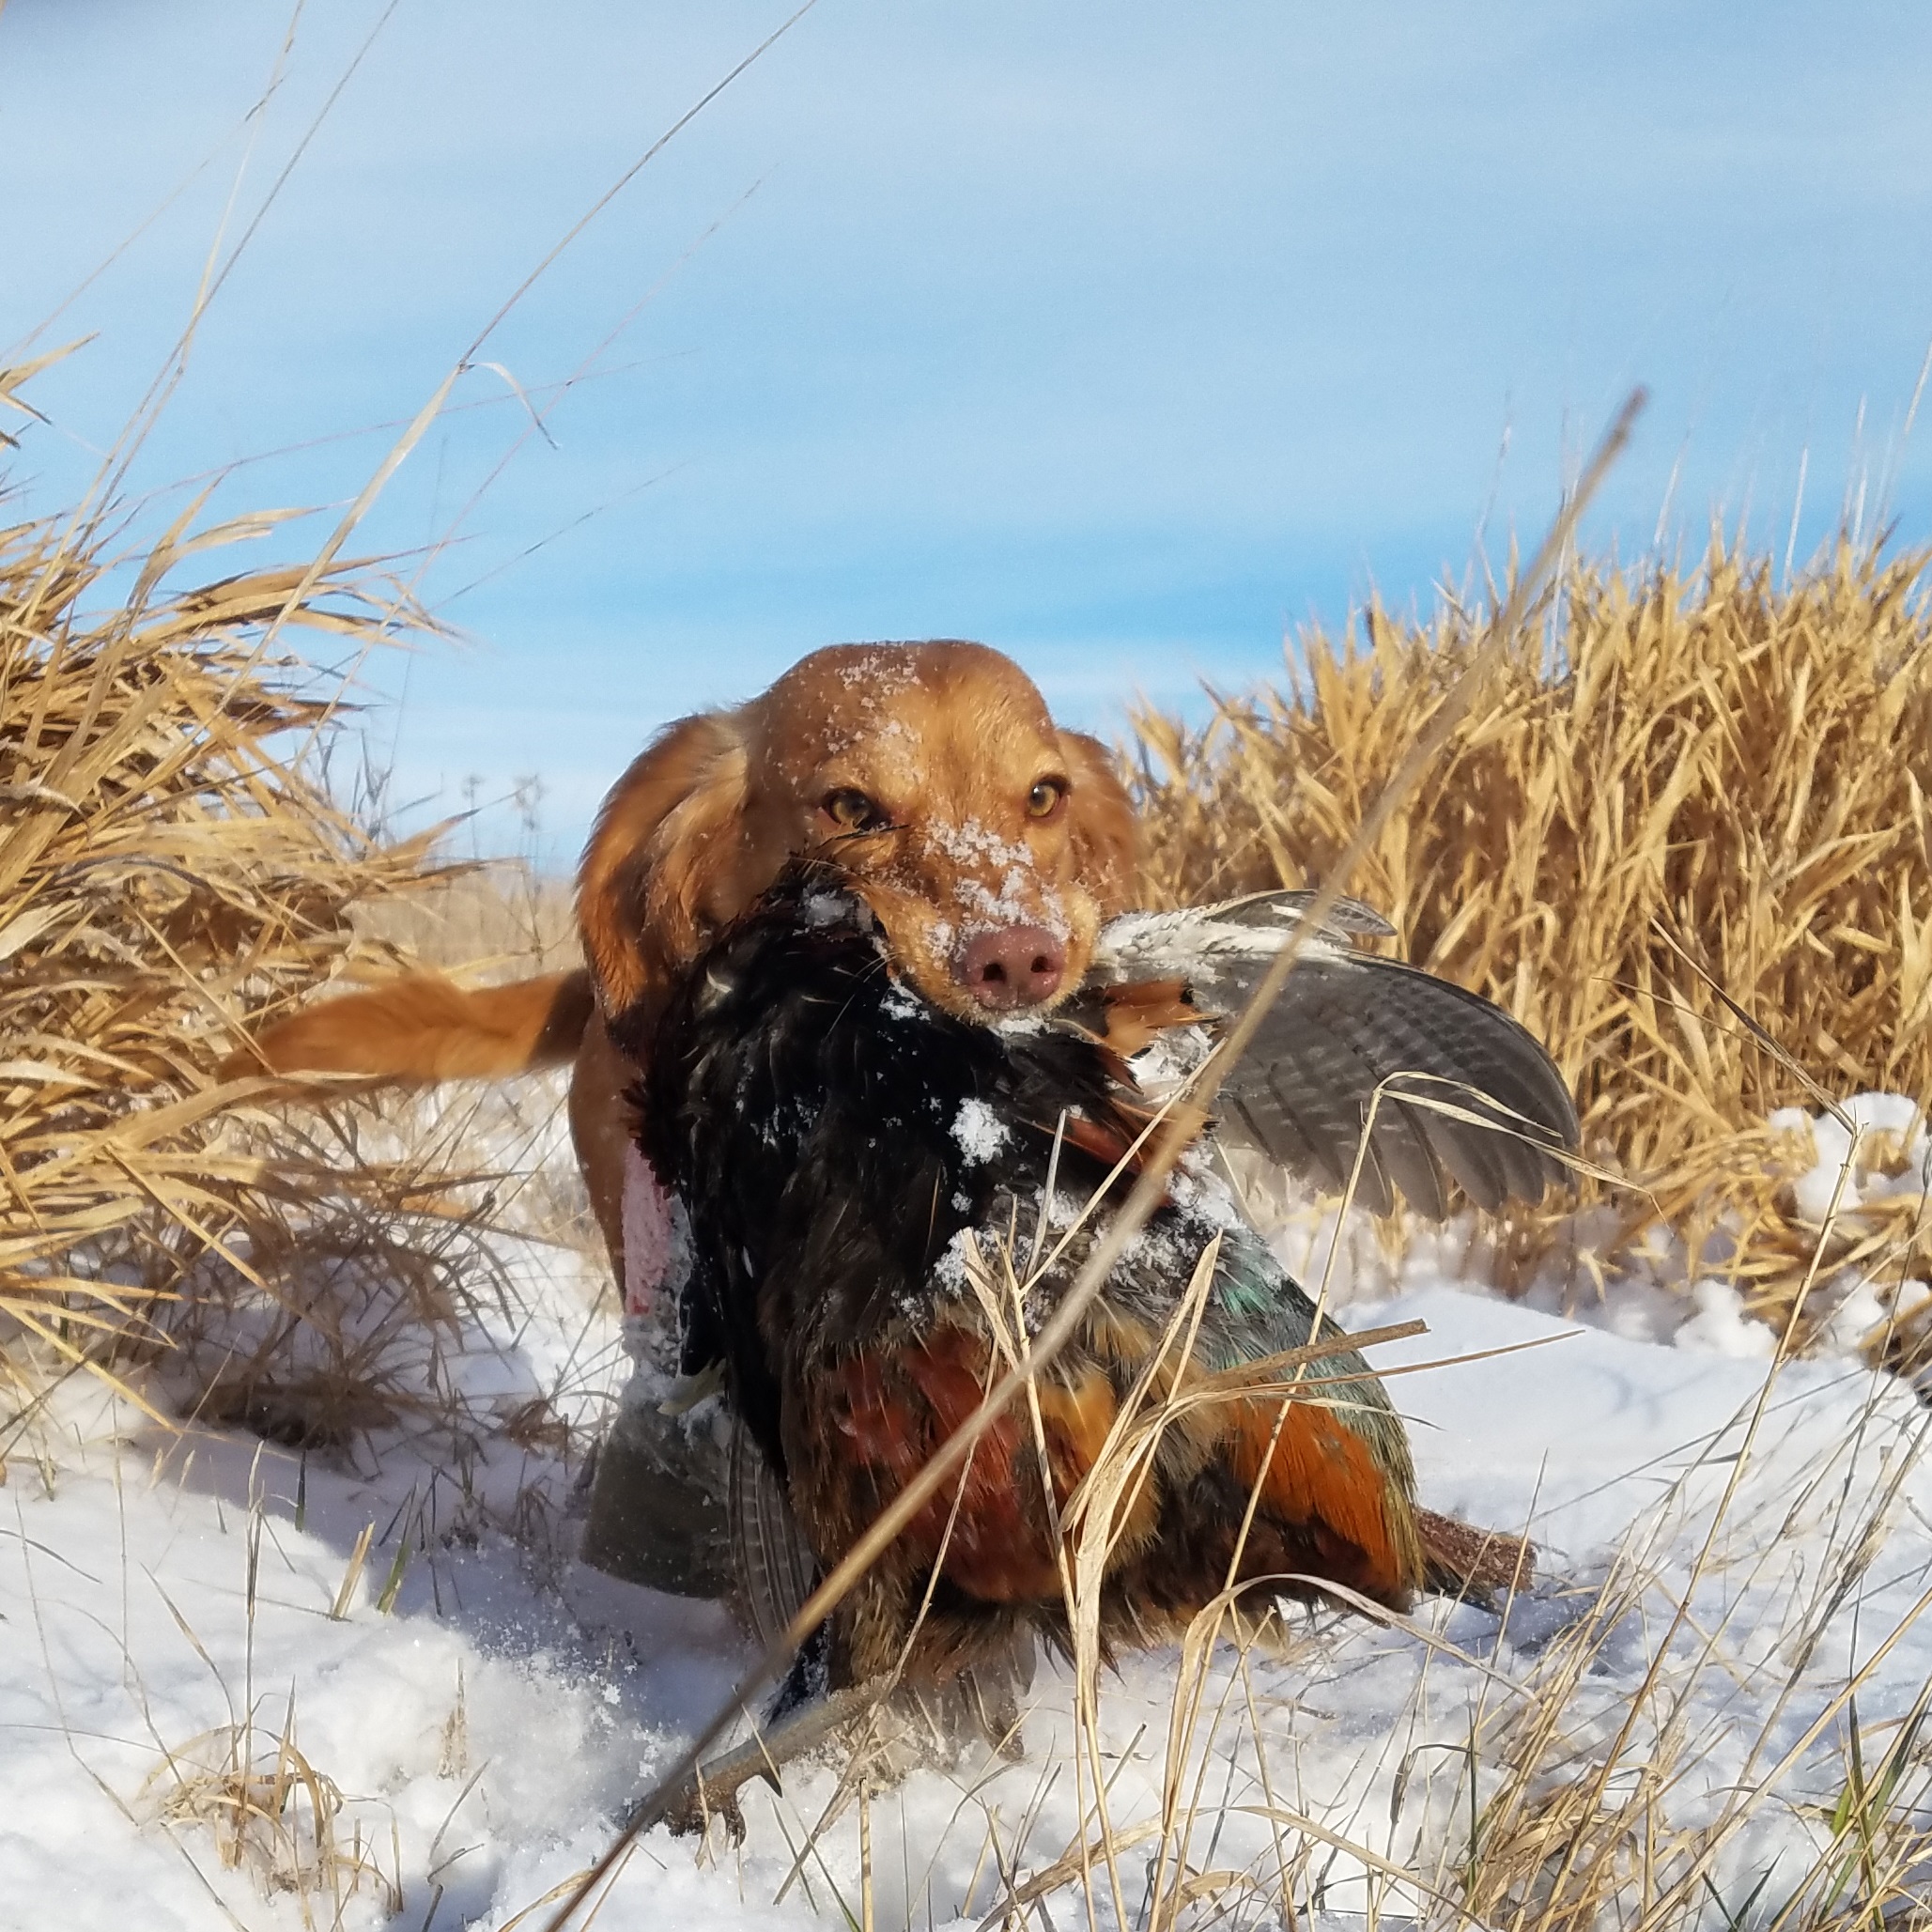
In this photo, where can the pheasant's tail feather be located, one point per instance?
(425, 1029)
(1459, 1560)
(777, 1568)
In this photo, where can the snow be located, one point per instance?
(161, 1589)
(900, 1002)
(980, 1132)
(1724, 1550)
(822, 909)
(1889, 1122)
(1721, 1327)
(1022, 897)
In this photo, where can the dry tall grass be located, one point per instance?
(500, 919)
(170, 861)
(1676, 784)
(1716, 771)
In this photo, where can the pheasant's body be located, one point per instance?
(857, 1167)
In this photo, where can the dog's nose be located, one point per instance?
(1008, 967)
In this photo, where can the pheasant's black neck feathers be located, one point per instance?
(830, 1135)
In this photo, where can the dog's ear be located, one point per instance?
(663, 858)
(1104, 827)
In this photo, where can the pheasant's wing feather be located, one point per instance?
(1467, 1088)
(1461, 1091)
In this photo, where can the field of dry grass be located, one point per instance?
(173, 862)
(1683, 835)
(1688, 808)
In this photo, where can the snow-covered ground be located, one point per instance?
(215, 1712)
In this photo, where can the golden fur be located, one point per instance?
(984, 819)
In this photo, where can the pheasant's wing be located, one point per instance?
(1466, 1093)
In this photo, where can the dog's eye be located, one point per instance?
(1044, 800)
(851, 811)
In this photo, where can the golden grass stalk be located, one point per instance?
(271, 1812)
(170, 861)
(1674, 783)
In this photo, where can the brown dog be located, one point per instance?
(990, 844)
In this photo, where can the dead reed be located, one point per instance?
(171, 861)
(1677, 783)
(271, 1812)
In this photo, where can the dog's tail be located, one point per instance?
(424, 1028)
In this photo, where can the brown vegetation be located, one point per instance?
(1677, 784)
(170, 861)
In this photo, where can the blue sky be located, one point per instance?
(1120, 335)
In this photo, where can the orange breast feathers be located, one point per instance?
(991, 1531)
(1316, 1474)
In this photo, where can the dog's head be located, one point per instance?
(989, 843)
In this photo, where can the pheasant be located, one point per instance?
(880, 1202)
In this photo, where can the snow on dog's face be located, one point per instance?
(988, 843)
